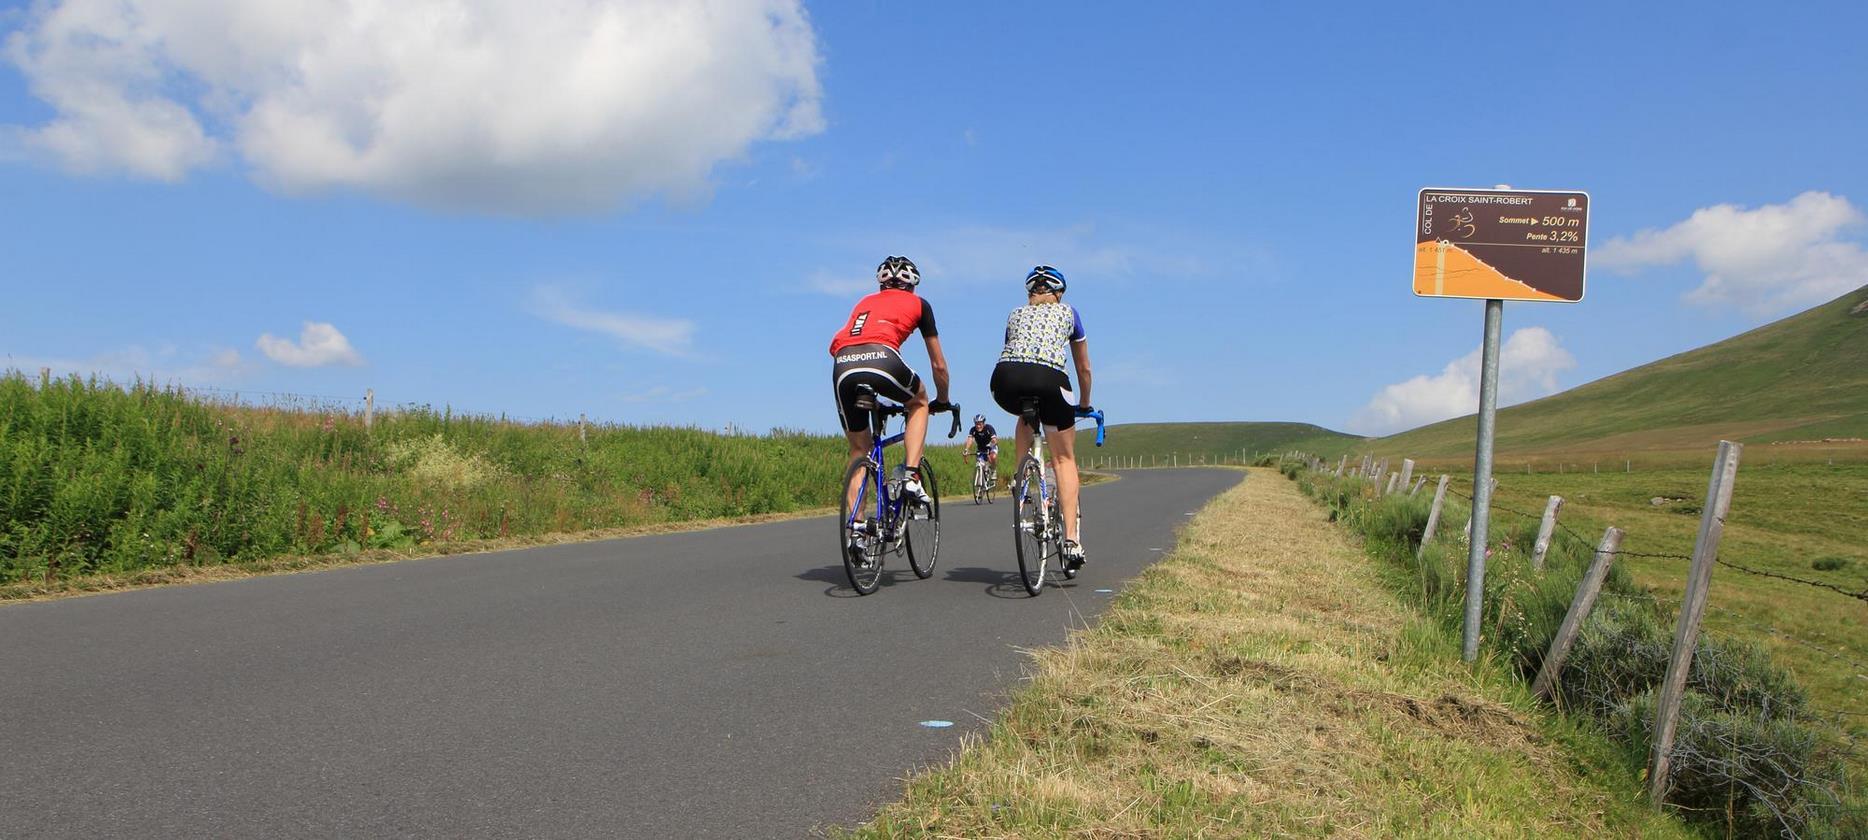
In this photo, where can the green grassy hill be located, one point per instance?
(1804, 378)
(1213, 442)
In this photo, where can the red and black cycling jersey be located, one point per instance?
(887, 317)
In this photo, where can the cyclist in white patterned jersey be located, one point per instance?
(1038, 338)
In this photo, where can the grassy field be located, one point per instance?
(1262, 680)
(1157, 444)
(1799, 520)
(1804, 378)
(101, 480)
(1756, 753)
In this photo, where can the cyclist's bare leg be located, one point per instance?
(917, 426)
(860, 444)
(1064, 466)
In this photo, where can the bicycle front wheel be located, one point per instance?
(857, 537)
(1028, 527)
(923, 526)
(979, 483)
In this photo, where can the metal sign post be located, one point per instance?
(1482, 480)
(1496, 245)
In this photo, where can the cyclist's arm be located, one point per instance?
(937, 361)
(1080, 353)
(967, 448)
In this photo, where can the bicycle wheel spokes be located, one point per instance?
(923, 526)
(1028, 526)
(858, 541)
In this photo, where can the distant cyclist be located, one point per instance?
(867, 352)
(1038, 336)
(984, 439)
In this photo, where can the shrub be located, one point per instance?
(1829, 564)
(1745, 756)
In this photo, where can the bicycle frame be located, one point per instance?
(886, 507)
(888, 510)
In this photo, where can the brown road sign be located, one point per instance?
(1501, 244)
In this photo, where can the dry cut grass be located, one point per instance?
(1261, 681)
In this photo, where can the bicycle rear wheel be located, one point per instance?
(923, 526)
(1028, 525)
(858, 539)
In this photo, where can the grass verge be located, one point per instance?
(1262, 680)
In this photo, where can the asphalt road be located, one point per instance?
(722, 683)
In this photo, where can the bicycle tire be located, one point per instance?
(923, 535)
(863, 578)
(1027, 530)
(979, 483)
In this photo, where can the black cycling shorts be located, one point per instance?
(875, 365)
(1013, 381)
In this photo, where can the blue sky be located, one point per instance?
(669, 229)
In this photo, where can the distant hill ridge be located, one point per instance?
(1209, 442)
(1803, 378)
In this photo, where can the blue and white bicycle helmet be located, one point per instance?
(1044, 278)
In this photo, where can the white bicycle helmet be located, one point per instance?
(898, 271)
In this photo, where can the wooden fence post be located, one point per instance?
(1341, 463)
(1433, 517)
(369, 408)
(1407, 471)
(1418, 484)
(581, 423)
(1546, 683)
(1390, 489)
(1545, 530)
(1692, 609)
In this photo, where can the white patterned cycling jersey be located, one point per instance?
(1041, 334)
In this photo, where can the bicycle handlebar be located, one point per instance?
(1096, 415)
(950, 408)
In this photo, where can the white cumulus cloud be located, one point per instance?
(163, 365)
(668, 336)
(319, 345)
(549, 106)
(1768, 260)
(1528, 364)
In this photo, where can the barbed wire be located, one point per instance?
(1565, 529)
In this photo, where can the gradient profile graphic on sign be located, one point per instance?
(1501, 244)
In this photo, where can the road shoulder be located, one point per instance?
(1261, 680)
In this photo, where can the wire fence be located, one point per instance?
(1838, 717)
(1565, 529)
(1769, 772)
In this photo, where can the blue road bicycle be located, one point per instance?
(1037, 524)
(881, 521)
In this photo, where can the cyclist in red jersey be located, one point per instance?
(867, 352)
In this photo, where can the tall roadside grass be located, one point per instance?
(1751, 757)
(96, 478)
